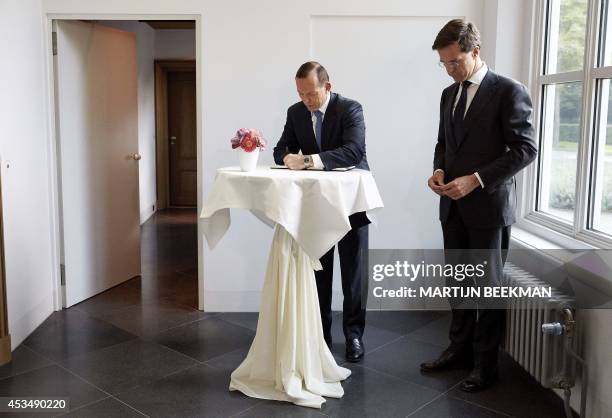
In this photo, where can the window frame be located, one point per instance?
(576, 234)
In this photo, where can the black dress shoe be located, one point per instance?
(479, 380)
(354, 350)
(449, 359)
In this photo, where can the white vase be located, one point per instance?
(248, 160)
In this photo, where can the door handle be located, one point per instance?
(172, 140)
(136, 157)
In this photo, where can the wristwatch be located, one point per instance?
(308, 161)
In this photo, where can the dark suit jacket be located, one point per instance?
(343, 133)
(499, 141)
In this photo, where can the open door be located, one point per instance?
(97, 122)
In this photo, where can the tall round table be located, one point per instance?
(288, 359)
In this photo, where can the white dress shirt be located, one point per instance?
(476, 81)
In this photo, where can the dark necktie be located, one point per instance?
(458, 127)
(318, 125)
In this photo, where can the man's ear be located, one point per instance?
(476, 52)
(328, 86)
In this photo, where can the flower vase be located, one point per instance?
(248, 160)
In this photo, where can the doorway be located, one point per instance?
(87, 233)
(175, 114)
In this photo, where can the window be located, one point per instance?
(571, 185)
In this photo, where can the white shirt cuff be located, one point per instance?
(317, 163)
(479, 180)
(438, 169)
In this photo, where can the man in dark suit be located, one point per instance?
(330, 132)
(485, 137)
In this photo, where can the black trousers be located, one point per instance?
(478, 331)
(353, 265)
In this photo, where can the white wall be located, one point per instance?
(249, 87)
(596, 337)
(24, 154)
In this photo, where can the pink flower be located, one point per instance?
(248, 140)
(248, 143)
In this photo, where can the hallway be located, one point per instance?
(142, 348)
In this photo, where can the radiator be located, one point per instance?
(541, 355)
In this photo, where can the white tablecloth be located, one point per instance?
(313, 206)
(288, 359)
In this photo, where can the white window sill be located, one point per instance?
(551, 252)
(542, 238)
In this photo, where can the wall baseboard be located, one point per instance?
(146, 214)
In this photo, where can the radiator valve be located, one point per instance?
(557, 328)
(554, 328)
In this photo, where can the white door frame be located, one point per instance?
(53, 136)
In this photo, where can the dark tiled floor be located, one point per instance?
(142, 349)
